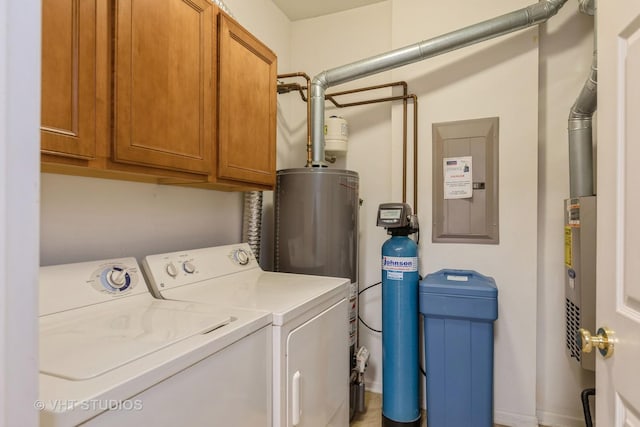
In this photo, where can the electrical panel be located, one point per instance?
(465, 181)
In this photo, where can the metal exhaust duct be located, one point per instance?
(517, 20)
(252, 221)
(581, 125)
(581, 136)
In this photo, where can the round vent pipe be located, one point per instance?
(581, 124)
(517, 20)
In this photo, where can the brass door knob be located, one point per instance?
(604, 341)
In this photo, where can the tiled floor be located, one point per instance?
(373, 416)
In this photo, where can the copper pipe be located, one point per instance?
(331, 97)
(404, 98)
(368, 88)
(368, 101)
(287, 87)
(415, 153)
(308, 79)
(290, 87)
(404, 147)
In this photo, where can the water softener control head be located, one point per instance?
(397, 217)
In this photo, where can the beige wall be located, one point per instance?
(498, 78)
(86, 219)
(566, 47)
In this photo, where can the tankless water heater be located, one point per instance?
(580, 274)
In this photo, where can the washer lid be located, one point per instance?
(87, 342)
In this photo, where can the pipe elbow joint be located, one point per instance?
(554, 6)
(576, 120)
(587, 7)
(542, 11)
(320, 82)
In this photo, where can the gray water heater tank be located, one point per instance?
(316, 226)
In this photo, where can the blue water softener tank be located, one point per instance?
(400, 335)
(459, 308)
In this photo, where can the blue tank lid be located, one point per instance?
(459, 282)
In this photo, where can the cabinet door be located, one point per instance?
(246, 106)
(164, 84)
(68, 106)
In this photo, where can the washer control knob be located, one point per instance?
(188, 267)
(171, 269)
(241, 256)
(117, 278)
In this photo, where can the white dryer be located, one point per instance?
(310, 324)
(112, 354)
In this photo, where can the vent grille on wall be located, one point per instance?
(573, 325)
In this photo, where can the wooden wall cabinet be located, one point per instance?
(169, 91)
(247, 79)
(68, 111)
(164, 87)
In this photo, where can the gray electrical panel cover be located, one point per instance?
(473, 218)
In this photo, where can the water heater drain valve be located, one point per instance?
(362, 358)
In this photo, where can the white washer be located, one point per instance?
(112, 354)
(310, 324)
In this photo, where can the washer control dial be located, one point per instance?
(171, 269)
(116, 278)
(241, 257)
(188, 267)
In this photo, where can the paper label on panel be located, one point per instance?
(457, 177)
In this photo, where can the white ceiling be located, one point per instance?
(302, 9)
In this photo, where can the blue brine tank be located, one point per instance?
(400, 335)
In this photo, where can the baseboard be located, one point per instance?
(509, 419)
(514, 420)
(373, 387)
(556, 420)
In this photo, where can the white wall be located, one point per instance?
(19, 166)
(90, 218)
(566, 47)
